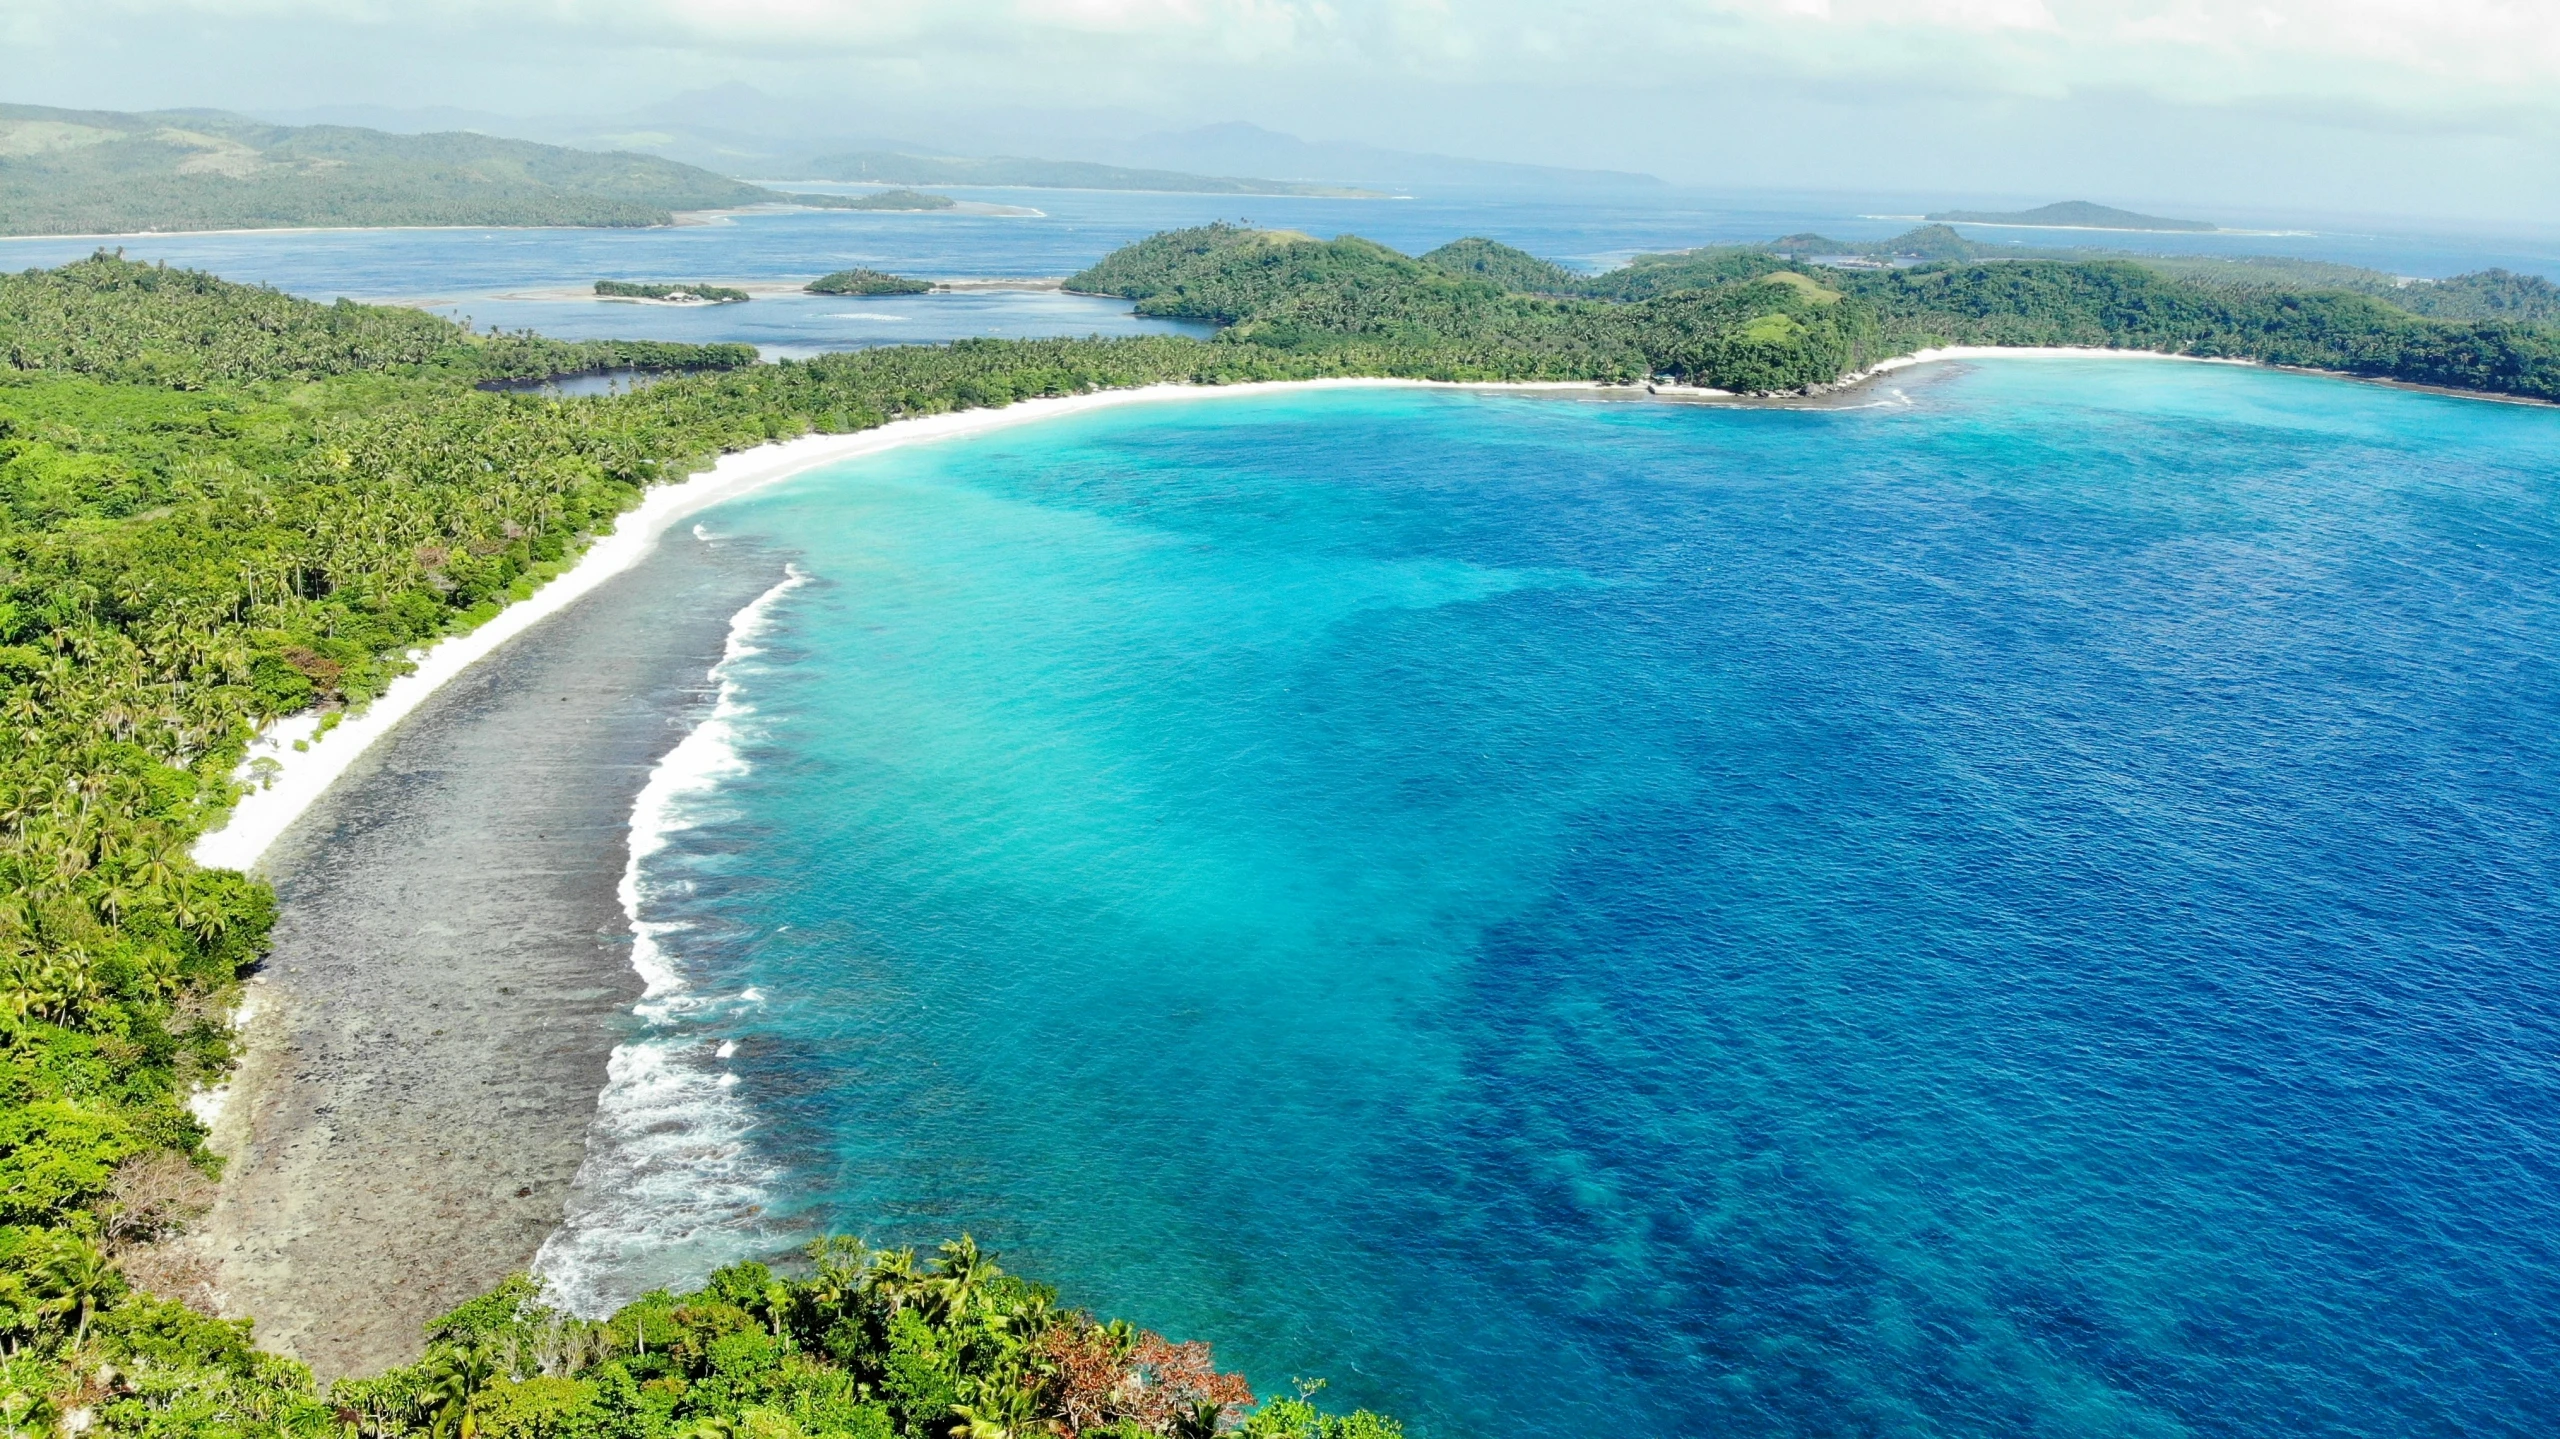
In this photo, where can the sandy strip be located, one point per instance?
(2029, 352)
(305, 767)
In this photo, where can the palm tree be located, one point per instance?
(843, 1265)
(893, 1276)
(960, 1276)
(79, 1281)
(455, 1380)
(778, 1304)
(1201, 1421)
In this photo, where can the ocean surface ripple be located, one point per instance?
(2030, 911)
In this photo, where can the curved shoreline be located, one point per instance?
(351, 1112)
(307, 764)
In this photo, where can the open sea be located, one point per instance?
(2029, 906)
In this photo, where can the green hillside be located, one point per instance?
(1736, 317)
(1500, 264)
(93, 172)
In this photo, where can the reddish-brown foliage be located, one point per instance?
(1151, 1381)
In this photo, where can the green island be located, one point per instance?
(701, 294)
(866, 282)
(899, 199)
(2075, 215)
(895, 168)
(220, 505)
(104, 172)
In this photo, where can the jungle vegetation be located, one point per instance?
(220, 504)
(866, 282)
(638, 290)
(1767, 318)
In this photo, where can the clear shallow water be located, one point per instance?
(2030, 911)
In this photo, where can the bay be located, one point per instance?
(2025, 905)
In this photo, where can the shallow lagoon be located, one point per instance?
(2027, 907)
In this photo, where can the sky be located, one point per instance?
(2335, 107)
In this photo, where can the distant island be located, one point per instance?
(2074, 215)
(671, 294)
(891, 168)
(866, 282)
(899, 200)
(101, 172)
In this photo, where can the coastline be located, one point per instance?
(303, 774)
(306, 765)
(423, 1053)
(380, 1171)
(2101, 352)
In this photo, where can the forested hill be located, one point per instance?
(111, 319)
(97, 172)
(1762, 319)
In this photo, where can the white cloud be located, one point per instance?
(2367, 50)
(1694, 86)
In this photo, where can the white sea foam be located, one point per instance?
(671, 1178)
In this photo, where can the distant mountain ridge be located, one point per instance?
(2075, 215)
(889, 167)
(1239, 148)
(72, 172)
(735, 129)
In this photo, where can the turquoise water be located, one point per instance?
(2025, 908)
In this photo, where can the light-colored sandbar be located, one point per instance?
(2028, 352)
(303, 774)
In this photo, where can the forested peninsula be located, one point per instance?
(103, 172)
(220, 505)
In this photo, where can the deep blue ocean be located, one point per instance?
(2030, 906)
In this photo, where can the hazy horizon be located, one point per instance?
(2373, 108)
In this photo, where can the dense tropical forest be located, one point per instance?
(103, 172)
(1767, 319)
(220, 504)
